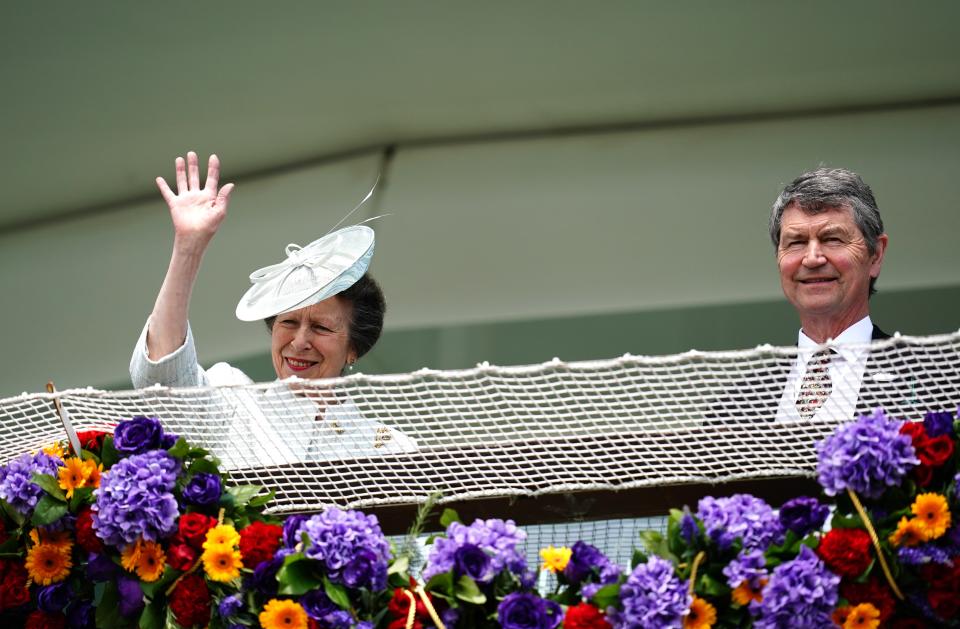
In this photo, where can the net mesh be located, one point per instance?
(557, 427)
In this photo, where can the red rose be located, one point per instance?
(875, 591)
(922, 474)
(91, 440)
(13, 584)
(258, 543)
(45, 620)
(399, 605)
(181, 556)
(194, 527)
(584, 616)
(936, 451)
(945, 603)
(942, 577)
(86, 537)
(914, 430)
(846, 551)
(190, 601)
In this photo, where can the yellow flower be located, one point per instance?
(555, 559)
(47, 563)
(54, 449)
(908, 533)
(933, 515)
(221, 563)
(862, 616)
(73, 475)
(702, 615)
(283, 614)
(743, 593)
(221, 535)
(150, 562)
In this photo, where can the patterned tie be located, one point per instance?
(816, 386)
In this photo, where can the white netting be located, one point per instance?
(492, 431)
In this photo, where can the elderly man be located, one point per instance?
(830, 245)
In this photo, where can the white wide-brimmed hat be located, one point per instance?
(310, 274)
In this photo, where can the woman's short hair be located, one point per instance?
(367, 308)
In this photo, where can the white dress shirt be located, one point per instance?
(847, 366)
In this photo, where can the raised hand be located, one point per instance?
(196, 212)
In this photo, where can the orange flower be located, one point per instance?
(59, 539)
(283, 614)
(130, 556)
(862, 616)
(48, 564)
(702, 615)
(908, 533)
(933, 515)
(150, 562)
(743, 593)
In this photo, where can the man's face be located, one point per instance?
(825, 267)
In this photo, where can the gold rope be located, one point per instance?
(412, 612)
(876, 542)
(180, 578)
(693, 570)
(430, 609)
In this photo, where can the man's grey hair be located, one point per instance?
(824, 188)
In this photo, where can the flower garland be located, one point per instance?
(140, 529)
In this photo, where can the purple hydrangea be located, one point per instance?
(138, 435)
(740, 516)
(867, 456)
(16, 486)
(924, 554)
(803, 514)
(524, 610)
(350, 545)
(498, 538)
(135, 499)
(938, 423)
(588, 564)
(800, 593)
(749, 566)
(652, 597)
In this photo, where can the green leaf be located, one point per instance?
(12, 513)
(846, 522)
(606, 596)
(160, 585)
(203, 465)
(297, 577)
(48, 510)
(442, 583)
(448, 517)
(179, 449)
(259, 501)
(467, 590)
(81, 496)
(108, 610)
(86, 455)
(638, 558)
(242, 494)
(108, 454)
(713, 587)
(49, 484)
(154, 616)
(402, 564)
(336, 593)
(655, 544)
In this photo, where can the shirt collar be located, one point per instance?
(860, 333)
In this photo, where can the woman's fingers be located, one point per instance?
(181, 169)
(165, 190)
(193, 171)
(223, 198)
(213, 174)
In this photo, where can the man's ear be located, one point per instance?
(876, 260)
